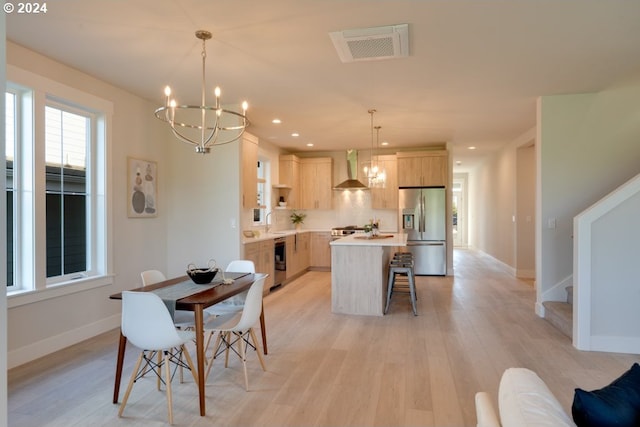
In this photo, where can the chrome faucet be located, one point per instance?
(266, 222)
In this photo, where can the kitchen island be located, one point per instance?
(359, 270)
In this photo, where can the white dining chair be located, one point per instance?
(236, 302)
(231, 328)
(183, 319)
(147, 324)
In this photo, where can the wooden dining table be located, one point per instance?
(196, 303)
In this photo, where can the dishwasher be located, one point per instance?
(280, 265)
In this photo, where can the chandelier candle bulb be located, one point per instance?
(167, 93)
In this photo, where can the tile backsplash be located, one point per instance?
(349, 208)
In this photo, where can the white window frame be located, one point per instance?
(15, 286)
(264, 191)
(35, 92)
(90, 191)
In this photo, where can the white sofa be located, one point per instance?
(523, 400)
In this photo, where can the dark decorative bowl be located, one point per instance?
(202, 276)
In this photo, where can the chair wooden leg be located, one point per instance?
(243, 356)
(208, 341)
(181, 369)
(213, 355)
(130, 386)
(192, 368)
(255, 343)
(167, 370)
(159, 382)
(226, 356)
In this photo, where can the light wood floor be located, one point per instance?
(337, 370)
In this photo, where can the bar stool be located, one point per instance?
(401, 278)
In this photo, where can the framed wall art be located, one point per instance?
(142, 188)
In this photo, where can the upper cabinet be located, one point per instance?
(316, 183)
(289, 185)
(387, 197)
(249, 152)
(422, 168)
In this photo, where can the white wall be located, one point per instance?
(138, 243)
(589, 144)
(203, 206)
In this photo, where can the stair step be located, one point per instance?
(560, 315)
(569, 294)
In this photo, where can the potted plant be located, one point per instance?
(372, 229)
(297, 218)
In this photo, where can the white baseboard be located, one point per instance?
(558, 292)
(629, 345)
(525, 274)
(504, 265)
(49, 345)
(540, 309)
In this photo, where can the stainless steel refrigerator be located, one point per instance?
(423, 218)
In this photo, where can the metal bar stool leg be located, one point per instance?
(390, 283)
(412, 290)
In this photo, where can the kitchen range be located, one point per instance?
(338, 232)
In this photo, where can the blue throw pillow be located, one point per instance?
(616, 405)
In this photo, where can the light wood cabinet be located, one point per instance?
(262, 254)
(316, 183)
(422, 168)
(249, 153)
(289, 176)
(303, 250)
(320, 256)
(297, 254)
(291, 255)
(387, 197)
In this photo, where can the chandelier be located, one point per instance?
(375, 174)
(212, 125)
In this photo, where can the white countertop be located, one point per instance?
(273, 235)
(359, 239)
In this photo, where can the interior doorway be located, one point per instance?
(459, 211)
(525, 245)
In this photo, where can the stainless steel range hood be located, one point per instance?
(352, 182)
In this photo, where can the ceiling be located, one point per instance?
(472, 76)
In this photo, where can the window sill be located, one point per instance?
(18, 298)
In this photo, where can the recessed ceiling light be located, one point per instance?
(384, 143)
(295, 134)
(471, 148)
(309, 144)
(276, 121)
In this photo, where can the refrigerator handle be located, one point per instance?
(422, 214)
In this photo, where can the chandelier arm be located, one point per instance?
(183, 138)
(235, 138)
(212, 135)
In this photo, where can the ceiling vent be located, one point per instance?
(370, 44)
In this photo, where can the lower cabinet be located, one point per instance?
(297, 254)
(304, 250)
(262, 254)
(320, 256)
